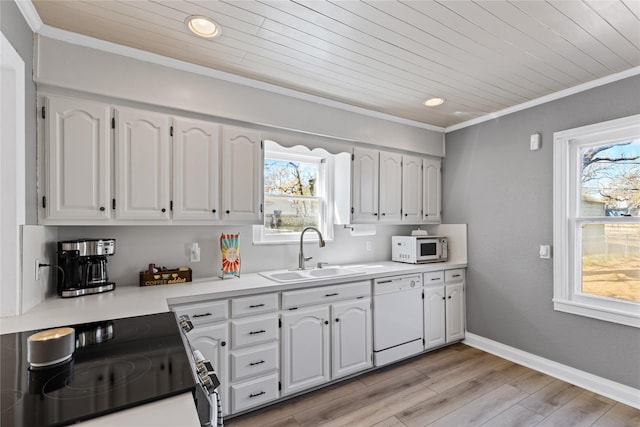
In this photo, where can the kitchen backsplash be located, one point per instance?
(136, 247)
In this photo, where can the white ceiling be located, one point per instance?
(384, 56)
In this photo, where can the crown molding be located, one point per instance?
(30, 14)
(548, 98)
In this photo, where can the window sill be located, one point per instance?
(628, 318)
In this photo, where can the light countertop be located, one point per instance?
(127, 301)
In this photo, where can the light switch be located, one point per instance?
(194, 253)
(534, 142)
(545, 251)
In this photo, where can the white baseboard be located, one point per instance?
(613, 390)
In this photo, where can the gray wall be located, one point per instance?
(504, 192)
(16, 30)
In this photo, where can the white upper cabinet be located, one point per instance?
(432, 189)
(390, 185)
(364, 193)
(77, 166)
(242, 175)
(142, 165)
(411, 189)
(196, 170)
(388, 188)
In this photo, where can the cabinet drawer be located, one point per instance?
(253, 393)
(452, 276)
(256, 304)
(205, 312)
(325, 294)
(253, 362)
(255, 330)
(433, 278)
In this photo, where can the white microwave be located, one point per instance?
(419, 249)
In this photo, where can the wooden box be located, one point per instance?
(167, 277)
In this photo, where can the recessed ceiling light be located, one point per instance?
(203, 26)
(433, 102)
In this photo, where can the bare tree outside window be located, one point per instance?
(291, 196)
(610, 187)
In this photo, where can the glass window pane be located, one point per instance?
(290, 215)
(610, 179)
(611, 261)
(290, 177)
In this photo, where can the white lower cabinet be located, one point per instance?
(351, 347)
(212, 341)
(305, 349)
(328, 341)
(266, 346)
(444, 307)
(254, 357)
(255, 392)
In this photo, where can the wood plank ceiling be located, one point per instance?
(385, 56)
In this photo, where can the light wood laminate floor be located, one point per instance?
(451, 387)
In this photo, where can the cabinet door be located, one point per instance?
(242, 175)
(390, 187)
(77, 160)
(351, 337)
(142, 165)
(411, 189)
(196, 170)
(455, 312)
(431, 186)
(364, 180)
(305, 349)
(212, 341)
(434, 316)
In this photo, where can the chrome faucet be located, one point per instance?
(301, 257)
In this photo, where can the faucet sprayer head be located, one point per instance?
(321, 243)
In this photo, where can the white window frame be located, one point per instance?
(567, 222)
(326, 185)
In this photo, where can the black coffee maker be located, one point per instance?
(83, 267)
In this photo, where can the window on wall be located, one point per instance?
(597, 224)
(298, 186)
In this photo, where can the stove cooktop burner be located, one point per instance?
(117, 365)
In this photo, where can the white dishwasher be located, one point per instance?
(397, 318)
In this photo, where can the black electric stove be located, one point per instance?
(117, 364)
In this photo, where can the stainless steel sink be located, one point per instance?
(291, 276)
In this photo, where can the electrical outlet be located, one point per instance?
(37, 269)
(369, 245)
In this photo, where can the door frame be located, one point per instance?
(12, 176)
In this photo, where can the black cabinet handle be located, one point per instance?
(213, 210)
(449, 297)
(202, 315)
(257, 394)
(262, 331)
(457, 275)
(332, 295)
(326, 322)
(406, 214)
(228, 212)
(337, 320)
(384, 214)
(256, 363)
(435, 278)
(163, 210)
(223, 343)
(256, 305)
(375, 214)
(101, 208)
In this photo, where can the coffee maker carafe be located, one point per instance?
(83, 267)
